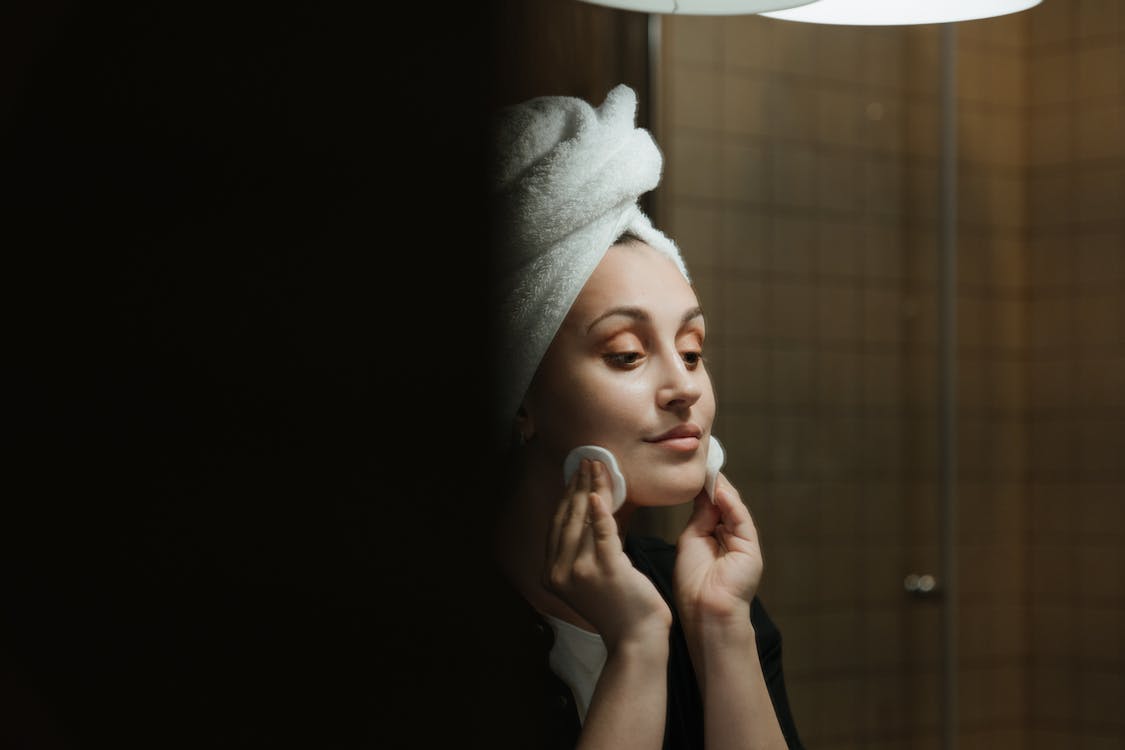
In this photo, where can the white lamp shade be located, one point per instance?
(701, 7)
(899, 12)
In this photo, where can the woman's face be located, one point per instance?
(626, 372)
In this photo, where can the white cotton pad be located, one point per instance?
(597, 453)
(716, 456)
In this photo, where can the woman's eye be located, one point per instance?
(623, 359)
(693, 358)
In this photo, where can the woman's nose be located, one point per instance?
(680, 388)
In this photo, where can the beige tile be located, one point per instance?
(923, 128)
(695, 229)
(883, 248)
(840, 248)
(1097, 18)
(747, 98)
(746, 308)
(840, 713)
(840, 587)
(1010, 323)
(1007, 262)
(693, 169)
(1049, 136)
(1099, 131)
(1098, 72)
(794, 245)
(1099, 257)
(694, 98)
(882, 446)
(1101, 443)
(839, 381)
(745, 435)
(1101, 514)
(831, 451)
(1053, 571)
(1051, 448)
(989, 696)
(1051, 22)
(1100, 382)
(920, 59)
(840, 116)
(793, 574)
(920, 192)
(882, 315)
(794, 177)
(794, 112)
(1097, 320)
(884, 504)
(989, 571)
(792, 378)
(788, 452)
(1050, 260)
(1008, 387)
(1006, 74)
(839, 53)
(791, 309)
(887, 52)
(746, 41)
(883, 125)
(883, 571)
(838, 313)
(973, 75)
(1098, 634)
(745, 235)
(840, 515)
(1052, 514)
(793, 48)
(836, 173)
(882, 379)
(1052, 696)
(1053, 70)
(883, 180)
(1050, 324)
(1053, 630)
(1100, 695)
(991, 739)
(693, 39)
(1050, 382)
(745, 172)
(881, 642)
(1100, 193)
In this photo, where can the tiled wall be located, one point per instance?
(802, 183)
(1076, 335)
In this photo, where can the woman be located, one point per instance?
(648, 644)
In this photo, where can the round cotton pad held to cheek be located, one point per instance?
(598, 453)
(716, 457)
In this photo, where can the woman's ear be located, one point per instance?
(525, 425)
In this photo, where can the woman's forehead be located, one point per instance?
(634, 275)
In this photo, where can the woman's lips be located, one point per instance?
(685, 444)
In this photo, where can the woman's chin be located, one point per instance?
(677, 491)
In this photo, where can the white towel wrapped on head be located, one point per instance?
(567, 178)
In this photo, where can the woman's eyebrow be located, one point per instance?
(640, 315)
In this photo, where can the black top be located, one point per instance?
(684, 723)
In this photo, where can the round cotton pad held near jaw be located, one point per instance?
(597, 453)
(716, 456)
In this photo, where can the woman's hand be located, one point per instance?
(718, 560)
(587, 567)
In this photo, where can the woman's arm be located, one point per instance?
(587, 567)
(718, 570)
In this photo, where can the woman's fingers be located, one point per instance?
(558, 522)
(735, 516)
(574, 525)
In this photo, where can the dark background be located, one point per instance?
(244, 247)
